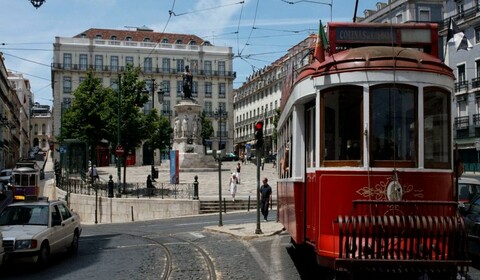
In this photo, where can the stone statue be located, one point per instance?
(176, 128)
(184, 126)
(187, 83)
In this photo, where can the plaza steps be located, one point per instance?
(211, 206)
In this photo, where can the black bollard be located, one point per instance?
(110, 186)
(195, 188)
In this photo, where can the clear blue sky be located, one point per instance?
(259, 31)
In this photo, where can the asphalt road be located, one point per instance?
(179, 249)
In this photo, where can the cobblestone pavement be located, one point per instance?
(208, 179)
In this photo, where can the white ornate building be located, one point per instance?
(162, 58)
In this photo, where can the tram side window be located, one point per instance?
(341, 126)
(393, 126)
(310, 130)
(436, 124)
(285, 156)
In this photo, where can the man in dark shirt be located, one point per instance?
(266, 197)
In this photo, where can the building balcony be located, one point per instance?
(475, 83)
(461, 122)
(147, 70)
(461, 86)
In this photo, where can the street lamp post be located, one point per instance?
(219, 116)
(118, 127)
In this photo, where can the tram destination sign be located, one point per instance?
(365, 34)
(381, 35)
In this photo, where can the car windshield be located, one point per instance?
(25, 215)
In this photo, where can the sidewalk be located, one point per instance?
(208, 179)
(248, 230)
(208, 189)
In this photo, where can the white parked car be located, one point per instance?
(468, 188)
(34, 230)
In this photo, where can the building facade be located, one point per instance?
(466, 67)
(9, 120)
(23, 100)
(41, 124)
(258, 99)
(162, 58)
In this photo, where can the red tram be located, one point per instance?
(365, 151)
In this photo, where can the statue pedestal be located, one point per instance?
(187, 137)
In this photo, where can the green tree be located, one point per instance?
(207, 128)
(160, 131)
(86, 119)
(134, 126)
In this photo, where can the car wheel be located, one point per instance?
(43, 255)
(74, 246)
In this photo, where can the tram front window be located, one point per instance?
(393, 126)
(437, 145)
(342, 123)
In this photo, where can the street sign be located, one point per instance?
(119, 150)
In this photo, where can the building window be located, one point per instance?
(67, 61)
(477, 35)
(207, 67)
(98, 36)
(67, 102)
(221, 68)
(208, 108)
(208, 89)
(436, 124)
(194, 66)
(166, 64)
(179, 41)
(399, 18)
(147, 39)
(129, 60)
(477, 68)
(461, 76)
(114, 63)
(128, 38)
(166, 87)
(195, 89)
(424, 16)
(67, 85)
(147, 65)
(179, 88)
(83, 61)
(44, 129)
(222, 90)
(98, 62)
(166, 107)
(180, 65)
(164, 41)
(113, 38)
(35, 129)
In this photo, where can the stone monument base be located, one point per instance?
(195, 160)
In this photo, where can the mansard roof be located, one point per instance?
(140, 35)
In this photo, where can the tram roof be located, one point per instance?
(376, 58)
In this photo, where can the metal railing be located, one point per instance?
(131, 190)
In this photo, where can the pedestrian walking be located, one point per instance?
(233, 186)
(150, 186)
(238, 173)
(266, 197)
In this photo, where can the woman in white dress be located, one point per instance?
(233, 186)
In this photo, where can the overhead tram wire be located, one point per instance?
(171, 12)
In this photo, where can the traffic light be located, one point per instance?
(258, 134)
